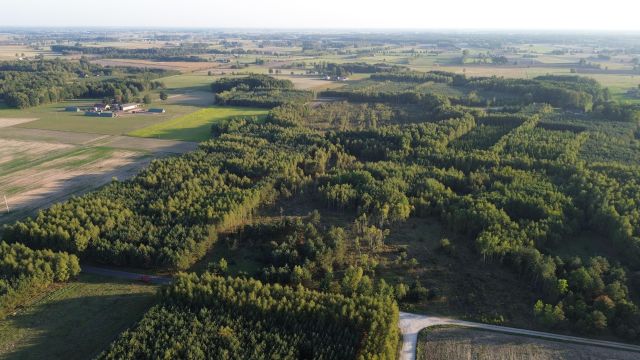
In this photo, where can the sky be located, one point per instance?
(610, 15)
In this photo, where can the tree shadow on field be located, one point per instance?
(78, 327)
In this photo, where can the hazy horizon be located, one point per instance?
(402, 15)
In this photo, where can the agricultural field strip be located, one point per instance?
(411, 324)
(91, 139)
(39, 167)
(7, 122)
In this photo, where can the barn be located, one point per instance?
(101, 114)
(129, 107)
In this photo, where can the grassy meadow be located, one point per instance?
(88, 313)
(53, 117)
(195, 126)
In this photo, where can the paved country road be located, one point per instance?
(410, 324)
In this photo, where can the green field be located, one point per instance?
(74, 321)
(53, 117)
(195, 126)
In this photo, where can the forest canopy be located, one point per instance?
(237, 318)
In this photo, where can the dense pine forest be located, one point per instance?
(513, 169)
(210, 317)
(24, 272)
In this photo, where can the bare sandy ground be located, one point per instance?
(6, 122)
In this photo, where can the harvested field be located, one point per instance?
(151, 145)
(312, 83)
(39, 181)
(194, 98)
(445, 343)
(6, 122)
(64, 137)
(40, 167)
(13, 150)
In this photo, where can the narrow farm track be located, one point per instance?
(411, 324)
(153, 279)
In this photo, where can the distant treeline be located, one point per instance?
(188, 53)
(31, 83)
(182, 53)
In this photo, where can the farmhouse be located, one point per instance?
(101, 107)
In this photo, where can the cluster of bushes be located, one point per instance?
(24, 272)
(590, 297)
(296, 251)
(212, 317)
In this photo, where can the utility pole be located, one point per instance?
(6, 203)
